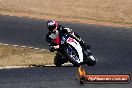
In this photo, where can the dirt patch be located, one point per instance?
(16, 56)
(104, 12)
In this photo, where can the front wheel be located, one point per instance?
(72, 55)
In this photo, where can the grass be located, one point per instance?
(115, 11)
(17, 56)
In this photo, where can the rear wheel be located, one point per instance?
(59, 59)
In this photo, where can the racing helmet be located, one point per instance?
(52, 25)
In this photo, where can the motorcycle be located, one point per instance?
(71, 50)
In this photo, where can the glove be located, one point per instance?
(51, 49)
(68, 30)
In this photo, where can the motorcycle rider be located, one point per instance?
(53, 37)
(55, 31)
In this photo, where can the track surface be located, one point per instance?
(112, 47)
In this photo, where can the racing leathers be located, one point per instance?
(53, 38)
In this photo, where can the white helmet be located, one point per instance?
(52, 25)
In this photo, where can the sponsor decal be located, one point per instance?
(101, 78)
(70, 39)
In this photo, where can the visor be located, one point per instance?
(51, 28)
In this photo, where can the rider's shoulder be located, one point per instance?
(60, 27)
(49, 33)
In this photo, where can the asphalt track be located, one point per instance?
(111, 46)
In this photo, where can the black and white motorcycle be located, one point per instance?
(71, 50)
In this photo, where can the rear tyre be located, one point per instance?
(59, 59)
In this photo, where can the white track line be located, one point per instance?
(6, 44)
(37, 48)
(30, 47)
(52, 65)
(66, 64)
(15, 45)
(11, 67)
(23, 46)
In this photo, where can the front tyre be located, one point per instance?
(72, 55)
